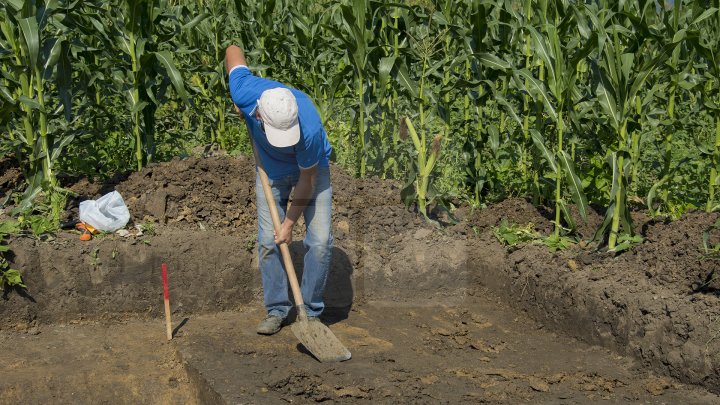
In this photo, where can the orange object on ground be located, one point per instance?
(87, 231)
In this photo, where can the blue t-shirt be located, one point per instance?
(313, 147)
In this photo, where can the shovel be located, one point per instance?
(314, 335)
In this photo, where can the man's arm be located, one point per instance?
(301, 198)
(234, 56)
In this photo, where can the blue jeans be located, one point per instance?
(318, 244)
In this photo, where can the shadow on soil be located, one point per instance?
(180, 325)
(339, 292)
(19, 291)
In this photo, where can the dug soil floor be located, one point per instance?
(431, 314)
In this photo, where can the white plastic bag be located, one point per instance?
(108, 213)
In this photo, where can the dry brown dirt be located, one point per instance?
(432, 315)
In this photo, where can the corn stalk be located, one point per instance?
(37, 75)
(704, 34)
(356, 33)
(424, 164)
(146, 69)
(622, 68)
(558, 93)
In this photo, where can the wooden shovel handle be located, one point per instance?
(284, 249)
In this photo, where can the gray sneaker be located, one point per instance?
(270, 325)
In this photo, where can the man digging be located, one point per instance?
(293, 147)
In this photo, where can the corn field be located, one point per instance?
(612, 104)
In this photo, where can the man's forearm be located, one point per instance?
(234, 56)
(301, 198)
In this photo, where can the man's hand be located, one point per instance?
(301, 198)
(285, 235)
(240, 113)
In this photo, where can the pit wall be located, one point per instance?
(663, 330)
(113, 278)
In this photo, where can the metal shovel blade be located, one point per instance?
(320, 341)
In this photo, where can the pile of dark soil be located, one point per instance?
(10, 175)
(654, 302)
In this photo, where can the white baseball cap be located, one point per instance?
(279, 113)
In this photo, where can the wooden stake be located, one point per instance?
(168, 324)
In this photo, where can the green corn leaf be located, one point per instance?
(680, 35)
(598, 28)
(648, 69)
(166, 59)
(38, 155)
(5, 93)
(30, 102)
(583, 26)
(559, 73)
(493, 138)
(625, 242)
(21, 137)
(574, 183)
(53, 54)
(435, 67)
(267, 10)
(658, 184)
(16, 4)
(384, 68)
(337, 34)
(607, 101)
(653, 191)
(12, 278)
(123, 43)
(303, 26)
(492, 61)
(9, 227)
(408, 193)
(613, 161)
(711, 105)
(59, 145)
(359, 7)
(539, 143)
(413, 135)
(567, 215)
(403, 77)
(603, 228)
(543, 50)
(30, 194)
(45, 12)
(625, 218)
(627, 60)
(609, 62)
(439, 18)
(590, 46)
(99, 27)
(537, 90)
(704, 16)
(509, 108)
(195, 21)
(29, 28)
(395, 8)
(134, 20)
(137, 106)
